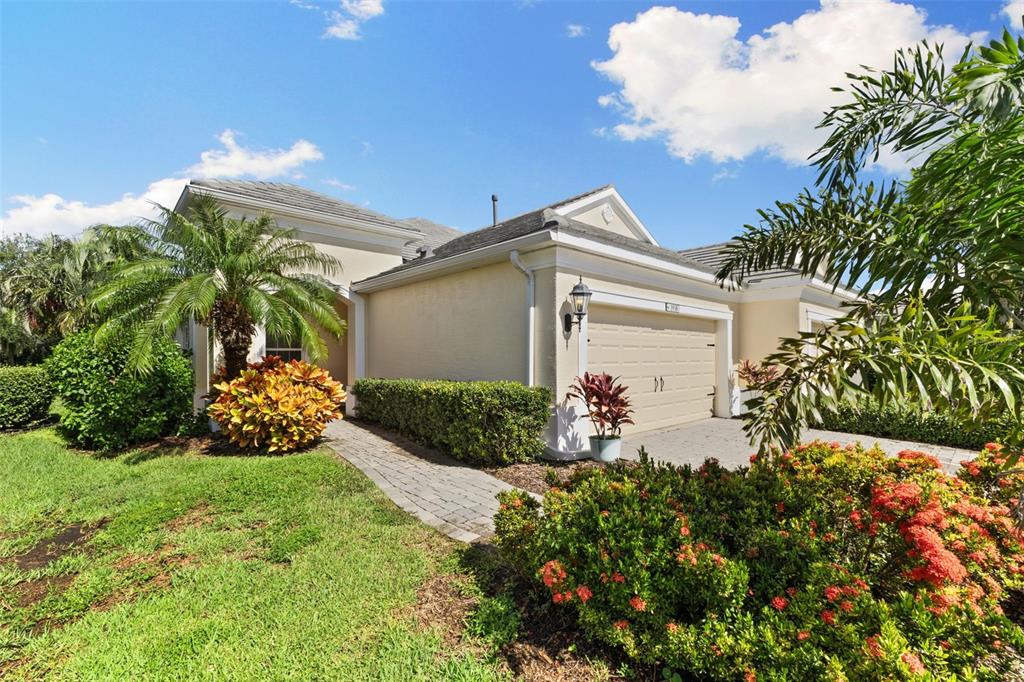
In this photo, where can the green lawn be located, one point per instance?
(204, 567)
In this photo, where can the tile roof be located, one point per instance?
(536, 221)
(714, 255)
(434, 235)
(295, 196)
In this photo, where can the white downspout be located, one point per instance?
(514, 258)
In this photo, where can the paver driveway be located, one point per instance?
(724, 439)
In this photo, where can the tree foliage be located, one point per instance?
(229, 273)
(44, 288)
(937, 259)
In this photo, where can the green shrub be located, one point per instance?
(822, 563)
(482, 422)
(25, 396)
(870, 419)
(106, 407)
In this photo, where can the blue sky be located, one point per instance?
(696, 114)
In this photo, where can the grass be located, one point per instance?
(168, 565)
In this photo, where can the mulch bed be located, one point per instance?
(538, 477)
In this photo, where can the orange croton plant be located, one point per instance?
(276, 405)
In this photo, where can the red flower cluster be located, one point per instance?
(552, 573)
(940, 565)
(779, 603)
(913, 663)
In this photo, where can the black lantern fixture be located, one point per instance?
(580, 298)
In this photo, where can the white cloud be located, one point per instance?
(234, 160)
(52, 213)
(725, 174)
(343, 186)
(344, 23)
(689, 80)
(575, 30)
(1014, 10)
(301, 4)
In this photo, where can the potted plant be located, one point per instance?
(754, 375)
(608, 409)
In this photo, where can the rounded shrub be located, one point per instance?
(25, 396)
(107, 406)
(277, 406)
(820, 563)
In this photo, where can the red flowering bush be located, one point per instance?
(987, 475)
(820, 563)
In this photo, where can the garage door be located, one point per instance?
(667, 360)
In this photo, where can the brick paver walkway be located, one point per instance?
(457, 500)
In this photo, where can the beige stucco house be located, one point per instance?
(425, 301)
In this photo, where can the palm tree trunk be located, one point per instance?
(234, 330)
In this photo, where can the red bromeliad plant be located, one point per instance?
(607, 404)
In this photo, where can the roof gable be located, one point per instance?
(604, 208)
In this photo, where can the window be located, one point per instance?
(287, 350)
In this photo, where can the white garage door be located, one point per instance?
(667, 360)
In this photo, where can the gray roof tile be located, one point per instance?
(714, 255)
(295, 196)
(434, 235)
(535, 221)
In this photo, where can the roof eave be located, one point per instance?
(303, 214)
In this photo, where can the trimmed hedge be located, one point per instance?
(25, 396)
(937, 429)
(480, 422)
(107, 407)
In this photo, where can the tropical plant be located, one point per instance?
(937, 260)
(607, 405)
(277, 406)
(228, 273)
(823, 563)
(44, 290)
(753, 373)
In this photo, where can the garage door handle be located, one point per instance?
(662, 383)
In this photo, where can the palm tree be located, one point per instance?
(938, 259)
(44, 288)
(228, 273)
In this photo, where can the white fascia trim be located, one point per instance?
(305, 214)
(654, 305)
(609, 193)
(834, 291)
(816, 316)
(574, 242)
(619, 253)
(483, 253)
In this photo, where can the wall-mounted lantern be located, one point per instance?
(580, 299)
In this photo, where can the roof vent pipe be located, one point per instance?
(494, 209)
